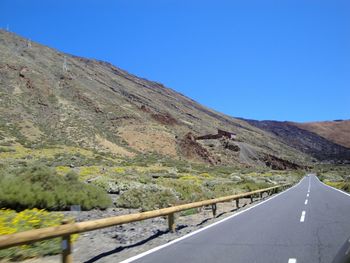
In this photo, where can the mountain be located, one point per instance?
(315, 139)
(51, 98)
(337, 131)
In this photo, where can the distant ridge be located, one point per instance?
(337, 131)
(306, 138)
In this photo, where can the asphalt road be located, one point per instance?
(308, 223)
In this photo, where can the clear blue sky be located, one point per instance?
(282, 60)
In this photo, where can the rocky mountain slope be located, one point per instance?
(337, 131)
(51, 98)
(309, 139)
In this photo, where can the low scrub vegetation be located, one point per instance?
(337, 176)
(345, 186)
(12, 222)
(148, 197)
(186, 190)
(6, 150)
(66, 175)
(38, 186)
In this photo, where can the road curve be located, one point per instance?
(308, 223)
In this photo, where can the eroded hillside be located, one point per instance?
(50, 98)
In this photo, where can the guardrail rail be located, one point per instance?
(68, 228)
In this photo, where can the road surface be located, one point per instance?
(308, 223)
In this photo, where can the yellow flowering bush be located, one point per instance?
(88, 171)
(19, 152)
(345, 186)
(334, 184)
(12, 222)
(190, 177)
(119, 170)
(206, 175)
(62, 170)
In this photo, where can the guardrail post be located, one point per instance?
(67, 256)
(171, 222)
(237, 203)
(213, 209)
(251, 198)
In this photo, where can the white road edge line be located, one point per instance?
(306, 202)
(333, 187)
(202, 229)
(302, 218)
(292, 260)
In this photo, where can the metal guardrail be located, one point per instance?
(67, 229)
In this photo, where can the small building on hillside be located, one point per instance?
(227, 134)
(220, 134)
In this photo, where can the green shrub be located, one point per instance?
(147, 198)
(221, 188)
(6, 150)
(38, 186)
(188, 191)
(251, 186)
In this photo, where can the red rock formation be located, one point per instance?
(193, 150)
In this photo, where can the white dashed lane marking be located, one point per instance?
(292, 260)
(302, 218)
(306, 202)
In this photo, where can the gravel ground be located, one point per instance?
(115, 244)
